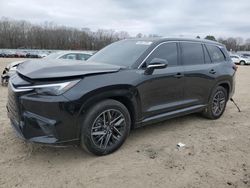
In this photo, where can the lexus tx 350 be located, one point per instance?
(127, 84)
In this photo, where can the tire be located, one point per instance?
(219, 97)
(242, 62)
(102, 138)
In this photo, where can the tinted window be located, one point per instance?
(167, 51)
(192, 53)
(206, 55)
(215, 53)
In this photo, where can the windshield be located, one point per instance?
(124, 53)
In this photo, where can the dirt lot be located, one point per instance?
(217, 153)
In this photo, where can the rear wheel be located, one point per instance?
(105, 128)
(217, 103)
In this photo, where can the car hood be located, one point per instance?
(46, 69)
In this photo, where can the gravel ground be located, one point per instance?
(217, 153)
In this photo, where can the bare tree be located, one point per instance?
(22, 34)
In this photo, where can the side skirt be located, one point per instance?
(170, 115)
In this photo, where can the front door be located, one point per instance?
(162, 91)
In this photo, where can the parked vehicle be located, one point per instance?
(73, 55)
(240, 59)
(10, 69)
(9, 54)
(127, 84)
(2, 54)
(32, 54)
(20, 54)
(235, 59)
(42, 54)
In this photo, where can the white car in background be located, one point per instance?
(240, 59)
(10, 69)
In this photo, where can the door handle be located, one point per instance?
(179, 75)
(212, 71)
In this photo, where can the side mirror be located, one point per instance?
(156, 63)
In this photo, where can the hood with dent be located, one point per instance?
(45, 69)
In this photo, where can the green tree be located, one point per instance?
(210, 37)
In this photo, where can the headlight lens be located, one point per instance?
(52, 89)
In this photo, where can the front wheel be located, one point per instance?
(217, 103)
(105, 128)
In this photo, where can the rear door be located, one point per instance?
(197, 77)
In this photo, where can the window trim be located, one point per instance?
(179, 50)
(182, 50)
(205, 49)
(166, 42)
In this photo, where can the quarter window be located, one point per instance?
(215, 53)
(167, 51)
(192, 53)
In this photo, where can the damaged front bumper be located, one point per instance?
(46, 120)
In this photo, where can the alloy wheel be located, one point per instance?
(219, 102)
(108, 128)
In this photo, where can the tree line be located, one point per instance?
(232, 43)
(16, 34)
(22, 34)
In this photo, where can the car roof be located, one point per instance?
(166, 39)
(78, 52)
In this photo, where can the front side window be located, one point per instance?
(192, 53)
(215, 53)
(167, 51)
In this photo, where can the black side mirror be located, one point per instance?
(156, 63)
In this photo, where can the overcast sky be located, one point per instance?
(187, 18)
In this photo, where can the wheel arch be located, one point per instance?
(225, 84)
(125, 94)
(242, 61)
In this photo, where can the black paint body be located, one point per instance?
(166, 93)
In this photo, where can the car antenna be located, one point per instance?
(231, 99)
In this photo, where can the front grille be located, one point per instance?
(13, 105)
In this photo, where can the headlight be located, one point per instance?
(52, 89)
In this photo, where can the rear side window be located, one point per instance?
(192, 53)
(215, 53)
(167, 51)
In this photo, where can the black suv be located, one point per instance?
(127, 84)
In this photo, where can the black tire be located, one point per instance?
(242, 63)
(94, 128)
(210, 111)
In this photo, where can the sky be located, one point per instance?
(169, 18)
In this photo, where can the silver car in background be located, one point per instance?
(10, 69)
(240, 59)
